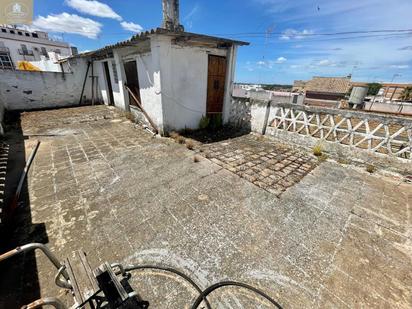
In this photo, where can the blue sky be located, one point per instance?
(290, 39)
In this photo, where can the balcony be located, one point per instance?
(26, 52)
(4, 49)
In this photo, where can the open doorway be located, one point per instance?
(132, 78)
(108, 83)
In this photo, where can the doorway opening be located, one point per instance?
(132, 78)
(108, 83)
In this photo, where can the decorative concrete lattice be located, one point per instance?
(380, 134)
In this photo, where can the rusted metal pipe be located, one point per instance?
(50, 301)
(23, 177)
(34, 246)
(142, 109)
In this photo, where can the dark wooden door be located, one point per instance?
(132, 78)
(216, 84)
(108, 83)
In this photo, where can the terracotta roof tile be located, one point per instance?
(329, 84)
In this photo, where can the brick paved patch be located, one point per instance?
(270, 166)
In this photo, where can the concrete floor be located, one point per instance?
(339, 238)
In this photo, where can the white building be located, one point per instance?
(249, 87)
(166, 76)
(17, 45)
(177, 77)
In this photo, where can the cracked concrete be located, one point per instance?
(339, 238)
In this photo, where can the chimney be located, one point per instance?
(171, 15)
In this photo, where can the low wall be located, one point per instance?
(252, 113)
(394, 108)
(364, 137)
(26, 90)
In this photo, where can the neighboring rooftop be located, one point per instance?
(335, 237)
(329, 84)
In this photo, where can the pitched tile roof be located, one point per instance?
(175, 34)
(329, 84)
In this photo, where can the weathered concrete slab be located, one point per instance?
(338, 238)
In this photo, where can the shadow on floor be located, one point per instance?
(207, 136)
(19, 284)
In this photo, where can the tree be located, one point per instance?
(406, 94)
(374, 88)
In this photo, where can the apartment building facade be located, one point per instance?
(18, 45)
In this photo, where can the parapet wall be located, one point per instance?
(382, 140)
(28, 90)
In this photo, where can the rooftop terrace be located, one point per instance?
(308, 233)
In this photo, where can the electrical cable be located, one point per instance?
(264, 34)
(171, 270)
(219, 285)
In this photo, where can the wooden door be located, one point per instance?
(216, 85)
(132, 78)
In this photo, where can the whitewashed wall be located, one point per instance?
(24, 90)
(172, 79)
(150, 87)
(184, 74)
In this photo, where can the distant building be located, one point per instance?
(388, 92)
(249, 87)
(299, 86)
(327, 91)
(18, 46)
(393, 92)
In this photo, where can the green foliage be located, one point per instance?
(317, 150)
(374, 88)
(181, 140)
(370, 168)
(190, 144)
(204, 122)
(275, 87)
(406, 94)
(174, 135)
(216, 121)
(322, 158)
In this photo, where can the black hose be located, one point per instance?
(216, 286)
(174, 271)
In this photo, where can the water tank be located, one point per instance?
(358, 95)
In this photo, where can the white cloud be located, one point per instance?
(131, 27)
(289, 34)
(406, 48)
(94, 8)
(281, 60)
(325, 63)
(399, 66)
(68, 23)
